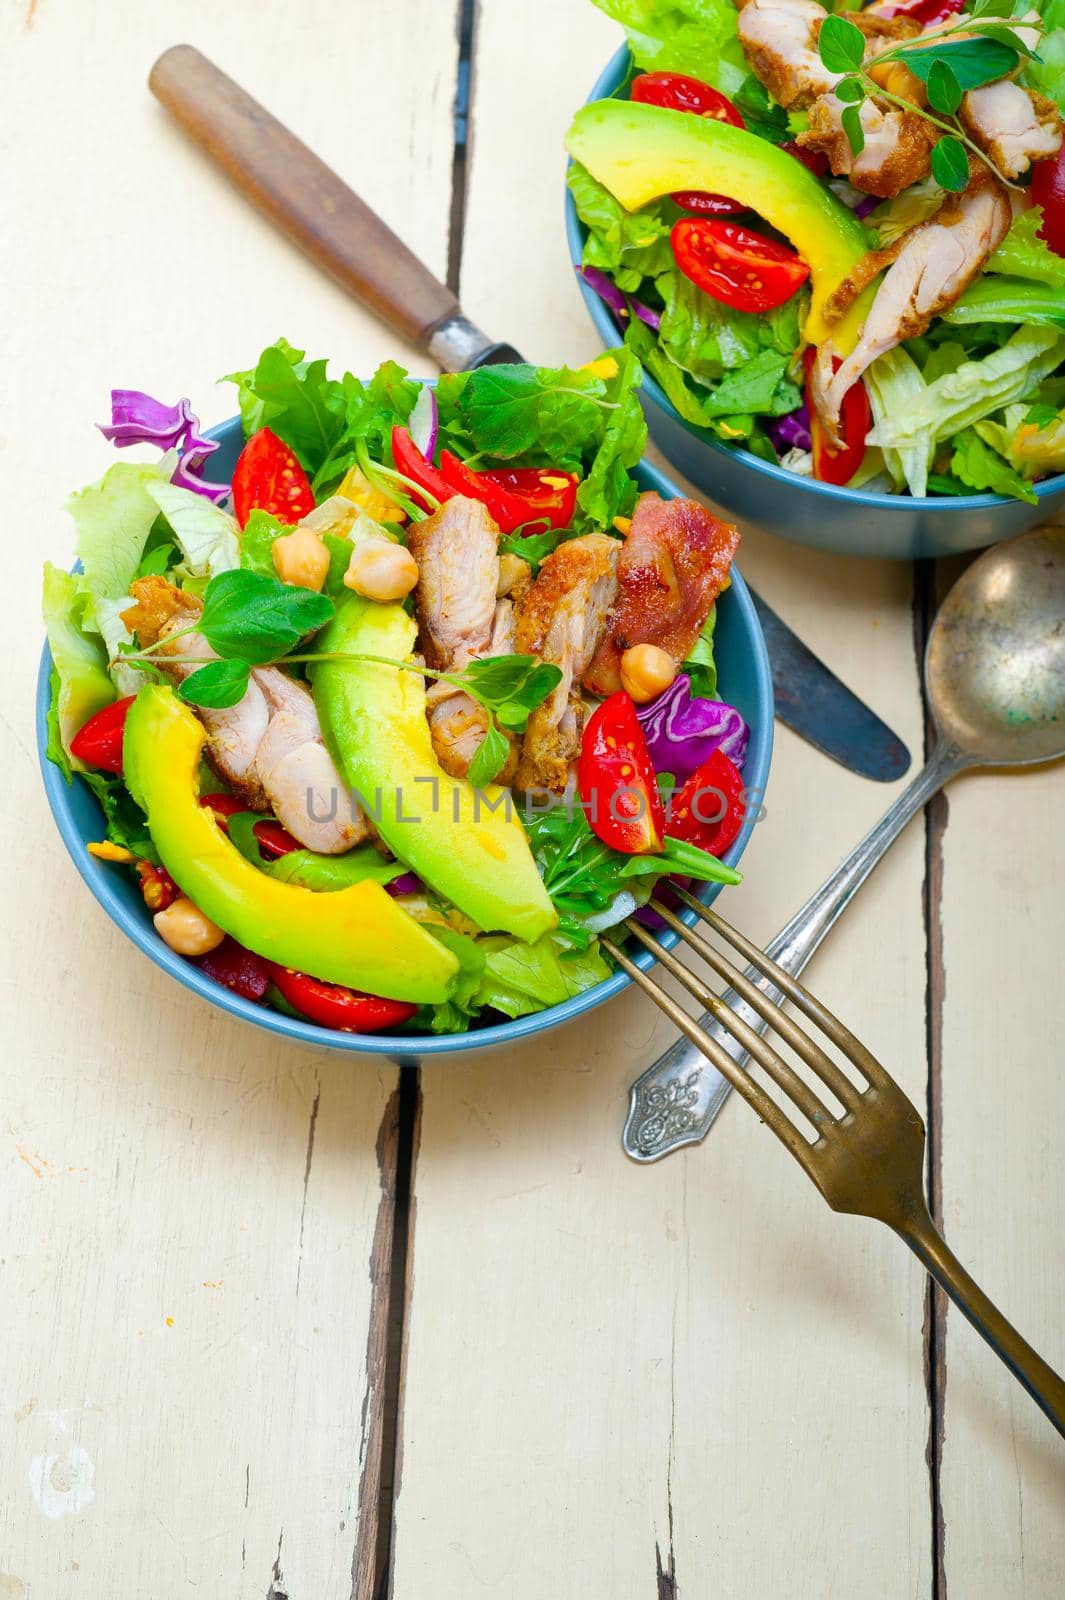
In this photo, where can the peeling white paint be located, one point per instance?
(62, 1484)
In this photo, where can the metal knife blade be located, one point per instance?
(340, 232)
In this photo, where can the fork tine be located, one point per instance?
(808, 1049)
(829, 1024)
(782, 1074)
(756, 1097)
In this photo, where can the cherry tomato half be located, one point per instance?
(409, 460)
(332, 1006)
(1048, 191)
(268, 477)
(710, 809)
(98, 742)
(274, 840)
(855, 420)
(814, 161)
(679, 93)
(616, 779)
(742, 269)
(549, 495)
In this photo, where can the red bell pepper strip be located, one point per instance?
(549, 495)
(738, 267)
(331, 1006)
(99, 741)
(268, 477)
(833, 465)
(616, 779)
(236, 968)
(274, 840)
(408, 459)
(710, 809)
(508, 510)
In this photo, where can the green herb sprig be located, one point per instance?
(946, 64)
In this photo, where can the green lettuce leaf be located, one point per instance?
(521, 978)
(209, 538)
(708, 339)
(124, 821)
(1047, 75)
(700, 665)
(608, 490)
(975, 463)
(113, 519)
(628, 245)
(694, 36)
(81, 684)
(1022, 254)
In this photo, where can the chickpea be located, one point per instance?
(301, 558)
(646, 671)
(186, 930)
(381, 570)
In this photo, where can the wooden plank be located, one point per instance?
(195, 1219)
(690, 1378)
(1003, 1483)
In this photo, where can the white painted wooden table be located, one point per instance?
(689, 1380)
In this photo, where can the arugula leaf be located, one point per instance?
(534, 547)
(218, 684)
(975, 463)
(950, 164)
(942, 483)
(840, 45)
(257, 619)
(124, 821)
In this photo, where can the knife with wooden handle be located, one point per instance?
(327, 220)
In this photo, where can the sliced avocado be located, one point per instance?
(357, 936)
(640, 152)
(374, 718)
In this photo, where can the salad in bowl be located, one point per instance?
(836, 238)
(386, 727)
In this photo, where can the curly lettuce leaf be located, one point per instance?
(113, 519)
(1022, 254)
(708, 339)
(629, 245)
(694, 36)
(700, 665)
(521, 978)
(975, 463)
(209, 538)
(81, 683)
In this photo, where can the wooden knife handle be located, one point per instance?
(306, 199)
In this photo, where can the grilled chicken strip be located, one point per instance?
(559, 619)
(930, 267)
(1011, 125)
(455, 602)
(674, 564)
(896, 153)
(268, 747)
(779, 39)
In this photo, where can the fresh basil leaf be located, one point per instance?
(219, 684)
(944, 90)
(973, 61)
(950, 164)
(840, 45)
(692, 862)
(850, 89)
(491, 757)
(851, 121)
(258, 619)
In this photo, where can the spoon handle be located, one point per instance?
(675, 1101)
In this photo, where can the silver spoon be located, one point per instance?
(995, 676)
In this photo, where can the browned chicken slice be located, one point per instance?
(1013, 126)
(896, 152)
(268, 747)
(779, 39)
(458, 573)
(931, 266)
(559, 620)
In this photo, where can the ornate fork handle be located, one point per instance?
(676, 1100)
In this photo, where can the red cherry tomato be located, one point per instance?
(710, 809)
(814, 161)
(268, 477)
(855, 420)
(679, 93)
(742, 269)
(1048, 191)
(332, 1006)
(98, 742)
(548, 495)
(236, 968)
(409, 460)
(274, 840)
(616, 779)
(157, 886)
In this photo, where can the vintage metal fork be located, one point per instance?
(869, 1159)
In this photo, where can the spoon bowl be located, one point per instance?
(995, 666)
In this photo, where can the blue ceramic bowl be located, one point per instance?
(759, 494)
(744, 681)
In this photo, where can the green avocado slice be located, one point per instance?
(465, 843)
(357, 936)
(640, 152)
